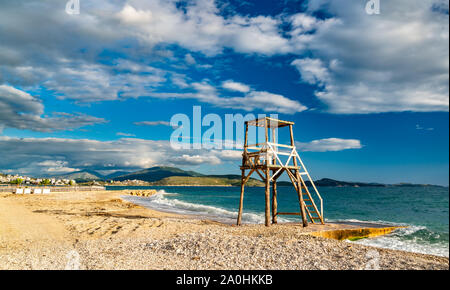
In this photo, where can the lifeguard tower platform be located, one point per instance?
(270, 160)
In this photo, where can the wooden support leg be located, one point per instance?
(267, 197)
(274, 202)
(301, 202)
(241, 201)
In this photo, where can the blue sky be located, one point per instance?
(368, 93)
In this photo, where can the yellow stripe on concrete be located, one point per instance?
(360, 233)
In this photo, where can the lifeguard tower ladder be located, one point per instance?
(264, 159)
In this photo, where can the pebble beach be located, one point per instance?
(99, 230)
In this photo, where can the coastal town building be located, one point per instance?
(26, 180)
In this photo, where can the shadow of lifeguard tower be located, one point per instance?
(270, 160)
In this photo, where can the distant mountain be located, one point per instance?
(115, 174)
(205, 181)
(165, 175)
(414, 185)
(82, 176)
(156, 173)
(336, 183)
(235, 180)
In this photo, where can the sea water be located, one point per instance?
(425, 210)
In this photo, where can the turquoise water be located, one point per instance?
(424, 209)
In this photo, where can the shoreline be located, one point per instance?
(38, 232)
(182, 185)
(407, 236)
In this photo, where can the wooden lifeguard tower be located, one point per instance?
(266, 160)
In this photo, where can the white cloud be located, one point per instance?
(85, 81)
(311, 70)
(96, 82)
(62, 69)
(269, 102)
(179, 80)
(395, 61)
(37, 155)
(152, 123)
(55, 167)
(230, 154)
(419, 127)
(132, 16)
(201, 28)
(302, 23)
(329, 144)
(251, 101)
(196, 159)
(125, 134)
(189, 59)
(235, 86)
(20, 110)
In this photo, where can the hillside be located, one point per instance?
(176, 177)
(164, 175)
(116, 174)
(81, 176)
(204, 181)
(156, 173)
(327, 182)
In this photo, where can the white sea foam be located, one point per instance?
(417, 245)
(401, 239)
(405, 239)
(160, 202)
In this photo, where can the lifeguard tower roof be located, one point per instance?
(271, 123)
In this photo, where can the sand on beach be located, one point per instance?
(99, 230)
